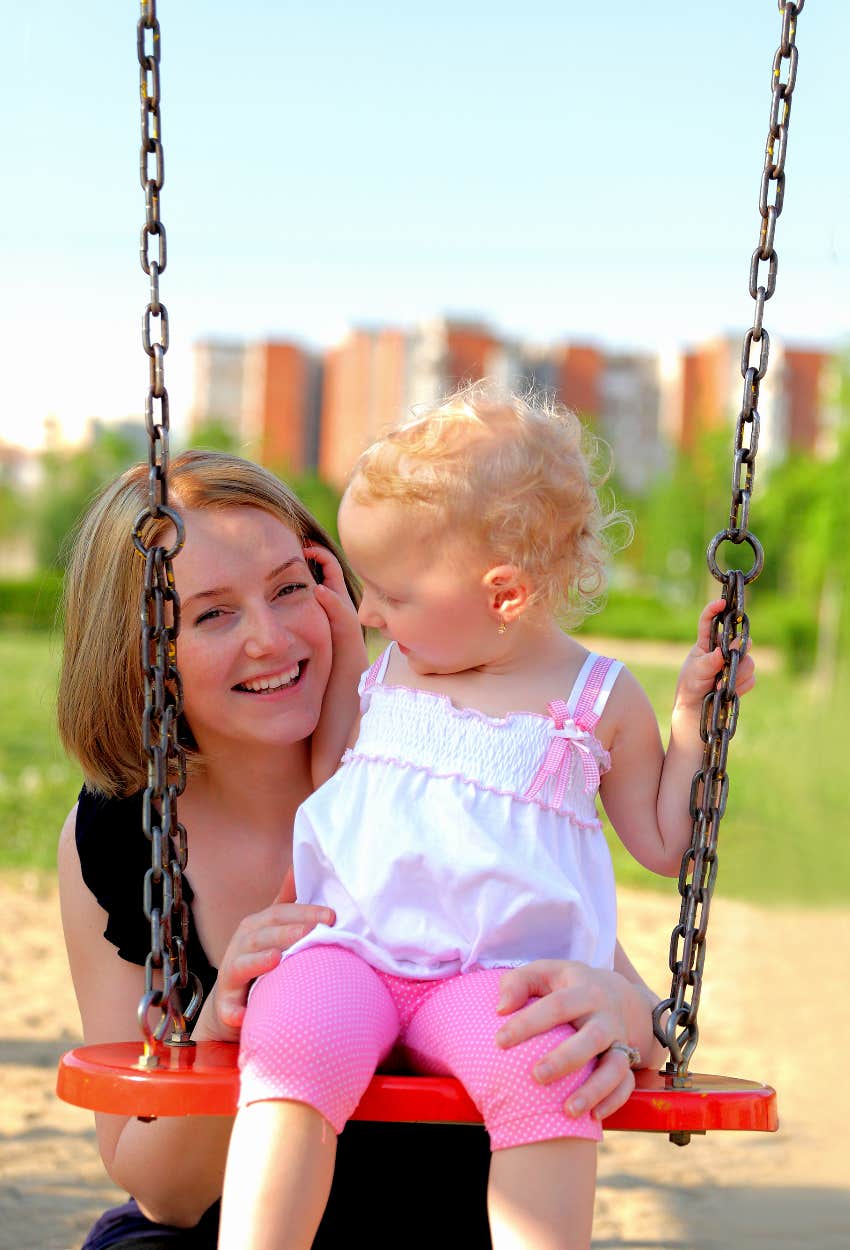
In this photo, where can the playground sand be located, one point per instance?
(774, 1007)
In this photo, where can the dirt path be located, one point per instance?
(787, 1022)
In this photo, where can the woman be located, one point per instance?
(269, 658)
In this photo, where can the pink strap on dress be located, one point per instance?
(372, 674)
(589, 706)
(571, 735)
(375, 673)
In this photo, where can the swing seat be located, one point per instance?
(204, 1080)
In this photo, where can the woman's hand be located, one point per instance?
(341, 704)
(255, 948)
(598, 1003)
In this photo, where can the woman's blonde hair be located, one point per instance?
(520, 472)
(101, 690)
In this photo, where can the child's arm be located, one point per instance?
(341, 703)
(646, 793)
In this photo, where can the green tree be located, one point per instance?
(71, 479)
(802, 517)
(315, 493)
(214, 435)
(14, 513)
(319, 496)
(677, 517)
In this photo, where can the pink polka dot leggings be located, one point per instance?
(319, 1025)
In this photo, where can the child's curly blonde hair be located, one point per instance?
(520, 471)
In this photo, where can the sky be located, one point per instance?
(561, 171)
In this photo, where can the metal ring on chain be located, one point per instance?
(175, 519)
(736, 537)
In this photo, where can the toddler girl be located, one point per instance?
(460, 835)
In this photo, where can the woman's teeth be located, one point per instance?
(277, 682)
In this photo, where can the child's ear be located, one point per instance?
(508, 592)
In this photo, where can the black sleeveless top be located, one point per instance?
(416, 1185)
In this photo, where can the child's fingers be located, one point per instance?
(706, 617)
(332, 605)
(341, 616)
(746, 676)
(330, 566)
(705, 667)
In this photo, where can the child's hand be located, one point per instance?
(349, 649)
(702, 666)
(332, 594)
(341, 704)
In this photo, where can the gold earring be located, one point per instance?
(501, 628)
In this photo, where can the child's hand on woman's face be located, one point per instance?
(256, 948)
(341, 704)
(333, 597)
(702, 666)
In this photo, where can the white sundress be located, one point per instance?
(449, 840)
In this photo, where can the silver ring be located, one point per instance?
(631, 1052)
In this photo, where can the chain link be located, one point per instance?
(168, 981)
(676, 1017)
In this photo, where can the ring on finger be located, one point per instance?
(631, 1052)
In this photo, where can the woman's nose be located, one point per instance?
(265, 632)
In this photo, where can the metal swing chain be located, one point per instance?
(710, 786)
(163, 901)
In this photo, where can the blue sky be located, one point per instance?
(561, 170)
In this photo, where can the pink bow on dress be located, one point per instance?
(568, 742)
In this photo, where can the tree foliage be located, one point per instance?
(70, 480)
(675, 520)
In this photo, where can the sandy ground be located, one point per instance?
(775, 1007)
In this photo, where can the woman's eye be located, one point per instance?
(289, 589)
(211, 615)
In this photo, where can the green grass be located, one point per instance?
(784, 836)
(37, 783)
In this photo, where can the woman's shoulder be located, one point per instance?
(109, 838)
(114, 855)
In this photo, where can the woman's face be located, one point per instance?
(254, 648)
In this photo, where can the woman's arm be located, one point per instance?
(603, 1006)
(140, 1157)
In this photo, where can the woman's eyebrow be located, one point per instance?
(215, 591)
(287, 564)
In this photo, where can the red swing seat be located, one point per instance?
(204, 1080)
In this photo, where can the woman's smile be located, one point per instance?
(273, 683)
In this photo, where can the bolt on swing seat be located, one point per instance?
(181, 1078)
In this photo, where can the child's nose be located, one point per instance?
(368, 614)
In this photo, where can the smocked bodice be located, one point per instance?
(450, 840)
